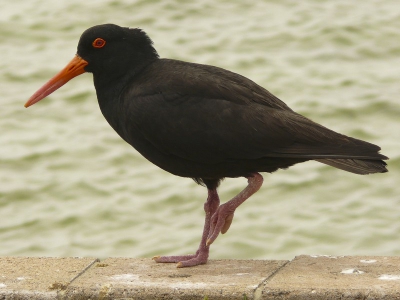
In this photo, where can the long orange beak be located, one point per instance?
(75, 67)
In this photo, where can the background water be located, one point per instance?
(69, 186)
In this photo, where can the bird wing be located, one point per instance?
(207, 114)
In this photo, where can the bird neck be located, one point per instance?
(109, 91)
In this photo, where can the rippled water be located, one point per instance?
(69, 186)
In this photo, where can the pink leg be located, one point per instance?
(222, 218)
(201, 255)
(218, 219)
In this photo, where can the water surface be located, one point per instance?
(69, 186)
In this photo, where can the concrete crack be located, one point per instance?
(258, 291)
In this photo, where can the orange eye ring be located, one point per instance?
(98, 43)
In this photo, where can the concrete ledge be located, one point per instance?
(39, 277)
(331, 277)
(305, 277)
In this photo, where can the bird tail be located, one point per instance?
(357, 166)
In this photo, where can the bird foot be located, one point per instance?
(190, 260)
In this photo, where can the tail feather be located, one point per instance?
(357, 166)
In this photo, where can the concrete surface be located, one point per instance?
(145, 279)
(305, 277)
(38, 277)
(331, 277)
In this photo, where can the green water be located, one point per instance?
(69, 186)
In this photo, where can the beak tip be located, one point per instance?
(27, 104)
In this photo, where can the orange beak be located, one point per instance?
(75, 67)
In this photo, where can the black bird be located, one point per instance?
(202, 122)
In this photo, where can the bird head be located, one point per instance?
(108, 51)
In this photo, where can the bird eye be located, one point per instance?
(98, 43)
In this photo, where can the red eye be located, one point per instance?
(98, 43)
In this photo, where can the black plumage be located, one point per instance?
(205, 122)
